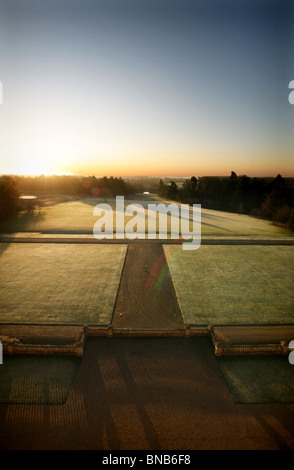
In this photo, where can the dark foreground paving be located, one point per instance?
(152, 393)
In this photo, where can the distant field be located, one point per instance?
(221, 285)
(77, 217)
(59, 284)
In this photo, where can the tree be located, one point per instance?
(276, 206)
(172, 191)
(162, 189)
(188, 192)
(9, 199)
(193, 187)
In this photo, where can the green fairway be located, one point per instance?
(68, 217)
(59, 284)
(234, 285)
(259, 379)
(77, 217)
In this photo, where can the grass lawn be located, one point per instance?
(59, 284)
(259, 379)
(37, 380)
(77, 217)
(234, 285)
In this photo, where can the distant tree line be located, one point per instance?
(269, 198)
(73, 185)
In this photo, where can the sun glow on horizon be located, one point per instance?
(145, 91)
(32, 172)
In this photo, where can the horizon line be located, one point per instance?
(89, 175)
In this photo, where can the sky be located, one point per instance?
(146, 88)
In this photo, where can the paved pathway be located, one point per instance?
(146, 297)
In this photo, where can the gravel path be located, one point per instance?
(146, 297)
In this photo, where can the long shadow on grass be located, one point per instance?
(111, 201)
(23, 222)
(3, 247)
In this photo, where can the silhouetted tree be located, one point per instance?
(9, 199)
(276, 205)
(172, 191)
(161, 189)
